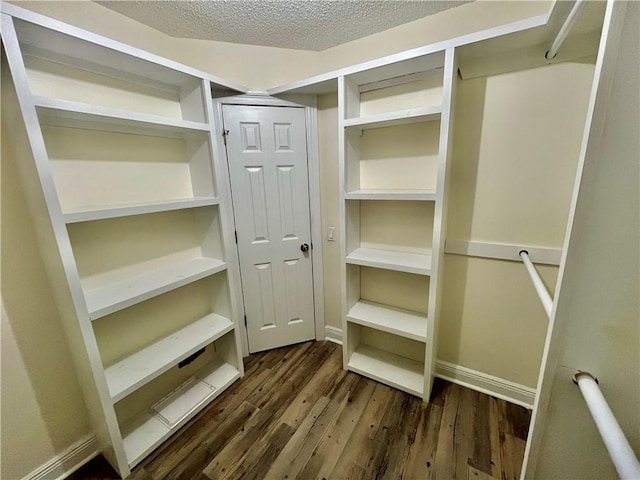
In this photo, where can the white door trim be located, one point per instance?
(308, 102)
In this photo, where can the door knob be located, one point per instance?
(304, 247)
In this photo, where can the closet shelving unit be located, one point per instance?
(135, 223)
(391, 268)
(394, 123)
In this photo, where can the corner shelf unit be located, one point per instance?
(394, 137)
(135, 222)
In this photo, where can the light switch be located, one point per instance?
(331, 234)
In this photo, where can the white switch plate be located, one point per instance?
(331, 234)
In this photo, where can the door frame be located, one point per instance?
(308, 102)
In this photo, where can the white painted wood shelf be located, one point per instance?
(402, 117)
(392, 194)
(391, 369)
(146, 432)
(113, 297)
(116, 211)
(386, 318)
(66, 113)
(131, 373)
(417, 263)
(170, 159)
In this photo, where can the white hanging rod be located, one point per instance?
(544, 296)
(564, 31)
(621, 453)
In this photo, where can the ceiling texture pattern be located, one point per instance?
(297, 24)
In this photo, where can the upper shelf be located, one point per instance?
(378, 194)
(403, 117)
(53, 111)
(102, 213)
(417, 263)
(64, 43)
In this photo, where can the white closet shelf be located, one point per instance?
(402, 117)
(65, 113)
(391, 194)
(115, 211)
(131, 373)
(391, 369)
(417, 263)
(386, 318)
(116, 296)
(146, 432)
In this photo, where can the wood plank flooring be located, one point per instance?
(297, 414)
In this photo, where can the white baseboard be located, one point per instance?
(485, 383)
(333, 334)
(479, 381)
(63, 465)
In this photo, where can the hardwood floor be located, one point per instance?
(297, 414)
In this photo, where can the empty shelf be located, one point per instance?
(389, 319)
(89, 214)
(145, 433)
(131, 373)
(392, 119)
(421, 195)
(116, 296)
(65, 113)
(388, 368)
(419, 264)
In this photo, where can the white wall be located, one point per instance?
(599, 307)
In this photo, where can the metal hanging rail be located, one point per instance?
(621, 453)
(543, 294)
(564, 30)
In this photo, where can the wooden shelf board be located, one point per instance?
(140, 368)
(102, 213)
(113, 297)
(419, 264)
(419, 195)
(386, 318)
(402, 117)
(65, 113)
(145, 433)
(388, 368)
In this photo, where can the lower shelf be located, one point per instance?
(388, 368)
(148, 431)
(397, 321)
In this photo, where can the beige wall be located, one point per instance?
(42, 408)
(514, 162)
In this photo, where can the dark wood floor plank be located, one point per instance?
(212, 439)
(511, 454)
(321, 382)
(358, 450)
(420, 459)
(324, 458)
(481, 454)
(274, 403)
(297, 414)
(495, 420)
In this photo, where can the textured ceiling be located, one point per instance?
(299, 24)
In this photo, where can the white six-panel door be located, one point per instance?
(267, 155)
